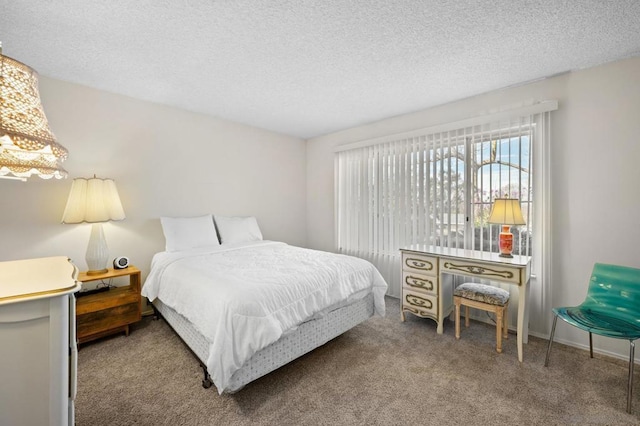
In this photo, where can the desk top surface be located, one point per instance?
(480, 256)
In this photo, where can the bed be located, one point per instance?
(245, 306)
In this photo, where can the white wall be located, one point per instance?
(166, 162)
(595, 167)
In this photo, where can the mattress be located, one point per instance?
(306, 337)
(242, 298)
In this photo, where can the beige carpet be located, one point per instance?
(383, 372)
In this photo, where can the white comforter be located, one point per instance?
(244, 297)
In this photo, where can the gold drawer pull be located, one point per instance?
(418, 264)
(419, 301)
(417, 282)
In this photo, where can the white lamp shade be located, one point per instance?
(93, 200)
(506, 211)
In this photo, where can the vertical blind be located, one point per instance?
(435, 188)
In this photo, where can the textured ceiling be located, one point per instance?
(307, 68)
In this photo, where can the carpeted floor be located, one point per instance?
(383, 372)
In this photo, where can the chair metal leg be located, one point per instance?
(553, 331)
(590, 345)
(630, 387)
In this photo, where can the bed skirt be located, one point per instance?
(308, 336)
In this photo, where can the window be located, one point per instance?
(467, 175)
(436, 188)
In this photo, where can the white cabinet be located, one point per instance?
(37, 342)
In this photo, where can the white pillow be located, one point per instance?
(238, 229)
(184, 233)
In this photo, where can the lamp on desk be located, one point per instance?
(506, 212)
(94, 201)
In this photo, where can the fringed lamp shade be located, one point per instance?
(27, 145)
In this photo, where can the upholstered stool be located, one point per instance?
(487, 298)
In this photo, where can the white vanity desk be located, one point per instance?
(425, 294)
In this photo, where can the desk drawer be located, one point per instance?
(419, 282)
(419, 303)
(481, 270)
(414, 262)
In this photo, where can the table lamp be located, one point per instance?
(506, 212)
(94, 201)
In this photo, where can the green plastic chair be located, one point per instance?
(611, 309)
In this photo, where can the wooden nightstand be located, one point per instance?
(109, 312)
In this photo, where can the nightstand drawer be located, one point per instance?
(106, 319)
(419, 282)
(419, 303)
(414, 262)
(109, 299)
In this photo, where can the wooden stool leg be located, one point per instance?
(456, 302)
(466, 316)
(505, 321)
(499, 315)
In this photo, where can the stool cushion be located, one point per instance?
(482, 293)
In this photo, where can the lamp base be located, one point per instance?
(506, 241)
(97, 272)
(97, 251)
